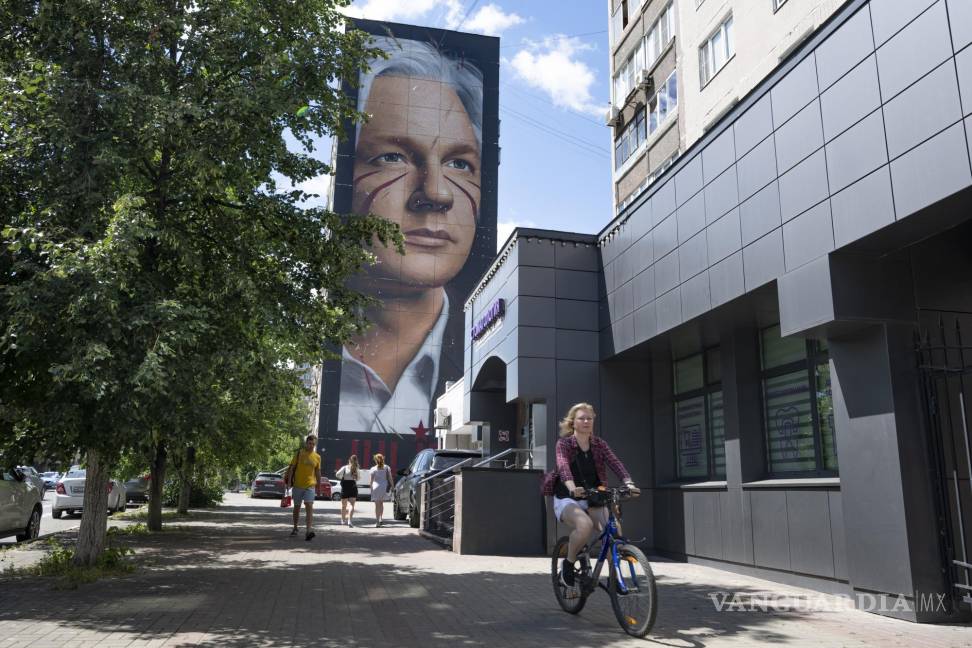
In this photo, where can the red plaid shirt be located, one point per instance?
(567, 449)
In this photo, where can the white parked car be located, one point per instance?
(34, 477)
(364, 488)
(20, 505)
(69, 494)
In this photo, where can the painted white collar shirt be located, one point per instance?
(368, 405)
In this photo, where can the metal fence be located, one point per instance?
(439, 491)
(945, 367)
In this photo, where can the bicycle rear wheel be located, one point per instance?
(571, 599)
(635, 607)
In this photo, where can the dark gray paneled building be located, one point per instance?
(772, 334)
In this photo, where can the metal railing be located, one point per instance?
(945, 366)
(439, 491)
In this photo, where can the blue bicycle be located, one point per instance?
(630, 582)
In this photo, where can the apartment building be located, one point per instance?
(644, 113)
(677, 67)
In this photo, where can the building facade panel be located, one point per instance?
(851, 98)
(862, 208)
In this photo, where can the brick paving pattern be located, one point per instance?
(234, 577)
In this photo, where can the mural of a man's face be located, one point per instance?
(417, 164)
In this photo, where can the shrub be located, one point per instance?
(202, 493)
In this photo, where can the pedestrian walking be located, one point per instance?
(381, 484)
(303, 475)
(348, 475)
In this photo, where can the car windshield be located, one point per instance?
(49, 474)
(441, 462)
(268, 476)
(76, 473)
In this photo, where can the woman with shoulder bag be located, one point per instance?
(582, 462)
(381, 484)
(348, 475)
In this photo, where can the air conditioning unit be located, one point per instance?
(646, 81)
(613, 114)
(443, 420)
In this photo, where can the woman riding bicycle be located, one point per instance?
(581, 461)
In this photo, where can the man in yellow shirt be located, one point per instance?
(303, 475)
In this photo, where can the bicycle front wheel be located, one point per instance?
(571, 599)
(636, 603)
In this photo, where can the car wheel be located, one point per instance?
(397, 512)
(413, 516)
(33, 527)
(56, 514)
(336, 497)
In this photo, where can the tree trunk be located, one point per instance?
(94, 522)
(188, 466)
(155, 488)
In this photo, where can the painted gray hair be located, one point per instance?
(423, 60)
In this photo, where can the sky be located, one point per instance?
(555, 161)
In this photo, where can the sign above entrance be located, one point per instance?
(492, 315)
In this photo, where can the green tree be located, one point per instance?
(146, 245)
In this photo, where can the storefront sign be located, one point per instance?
(492, 315)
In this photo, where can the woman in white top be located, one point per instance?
(381, 483)
(348, 474)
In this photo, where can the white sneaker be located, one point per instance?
(350, 524)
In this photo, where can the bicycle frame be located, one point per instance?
(610, 538)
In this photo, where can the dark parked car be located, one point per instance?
(267, 484)
(406, 493)
(137, 489)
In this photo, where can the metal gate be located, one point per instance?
(945, 367)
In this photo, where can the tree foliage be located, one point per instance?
(155, 282)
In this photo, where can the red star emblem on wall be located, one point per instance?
(419, 431)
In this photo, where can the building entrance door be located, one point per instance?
(945, 367)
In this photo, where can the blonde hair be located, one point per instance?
(353, 463)
(567, 424)
(380, 460)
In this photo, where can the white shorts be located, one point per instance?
(561, 504)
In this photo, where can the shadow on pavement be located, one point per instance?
(235, 578)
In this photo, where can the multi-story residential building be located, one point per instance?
(677, 66)
(728, 46)
(645, 112)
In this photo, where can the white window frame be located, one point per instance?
(665, 21)
(712, 61)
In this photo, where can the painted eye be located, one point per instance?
(462, 165)
(389, 158)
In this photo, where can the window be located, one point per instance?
(798, 413)
(716, 51)
(699, 420)
(664, 103)
(630, 140)
(627, 73)
(659, 36)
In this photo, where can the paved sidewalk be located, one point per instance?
(234, 577)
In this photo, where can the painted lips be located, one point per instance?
(424, 237)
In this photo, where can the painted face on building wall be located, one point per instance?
(417, 164)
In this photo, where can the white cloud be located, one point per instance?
(407, 10)
(552, 66)
(492, 21)
(505, 227)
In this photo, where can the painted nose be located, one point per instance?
(433, 192)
